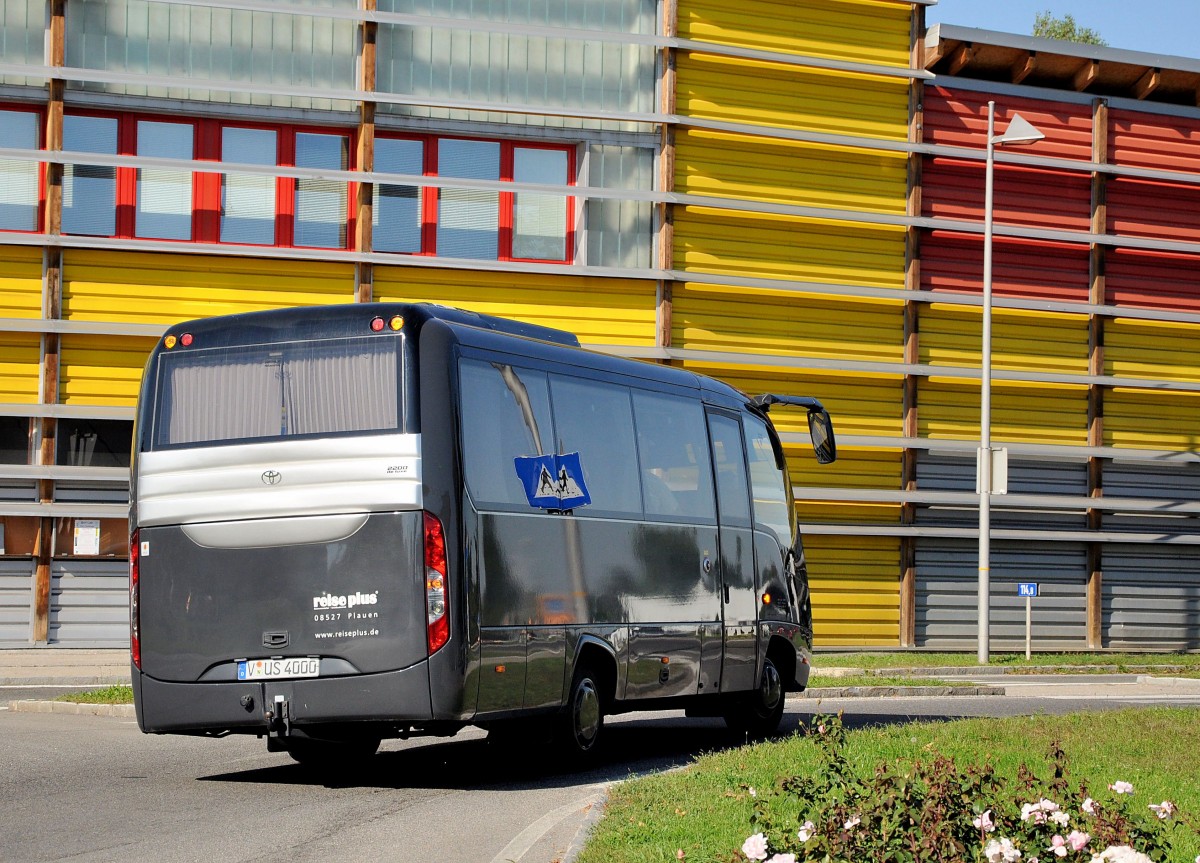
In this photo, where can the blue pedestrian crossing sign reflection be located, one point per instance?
(553, 481)
(1027, 588)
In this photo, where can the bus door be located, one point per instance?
(735, 558)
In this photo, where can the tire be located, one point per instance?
(759, 713)
(332, 754)
(581, 724)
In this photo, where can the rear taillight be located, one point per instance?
(135, 635)
(436, 605)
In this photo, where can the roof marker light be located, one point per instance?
(396, 323)
(169, 342)
(186, 340)
(377, 325)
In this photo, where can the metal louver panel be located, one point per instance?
(947, 595)
(89, 603)
(16, 597)
(1151, 597)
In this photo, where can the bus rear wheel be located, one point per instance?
(332, 754)
(583, 721)
(760, 712)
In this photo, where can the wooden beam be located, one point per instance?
(665, 252)
(1095, 405)
(1147, 84)
(364, 273)
(1086, 75)
(962, 55)
(1024, 67)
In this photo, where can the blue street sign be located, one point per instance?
(1027, 588)
(553, 481)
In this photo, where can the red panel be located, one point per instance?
(1032, 197)
(1154, 141)
(1020, 268)
(1139, 208)
(958, 118)
(1160, 280)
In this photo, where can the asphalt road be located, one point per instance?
(85, 788)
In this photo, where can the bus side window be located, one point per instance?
(673, 456)
(595, 419)
(729, 457)
(505, 414)
(771, 499)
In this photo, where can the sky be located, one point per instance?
(1155, 26)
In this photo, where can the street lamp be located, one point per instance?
(1020, 131)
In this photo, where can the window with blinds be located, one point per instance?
(18, 178)
(248, 200)
(89, 191)
(320, 205)
(164, 195)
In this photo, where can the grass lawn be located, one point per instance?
(920, 659)
(704, 810)
(116, 694)
(819, 681)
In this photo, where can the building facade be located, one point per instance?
(786, 194)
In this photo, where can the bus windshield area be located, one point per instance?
(255, 393)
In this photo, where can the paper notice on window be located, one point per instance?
(87, 536)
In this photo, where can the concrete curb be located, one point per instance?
(123, 711)
(898, 691)
(997, 670)
(101, 680)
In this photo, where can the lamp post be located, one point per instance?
(1020, 131)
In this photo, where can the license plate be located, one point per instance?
(273, 669)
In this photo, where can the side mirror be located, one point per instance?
(820, 429)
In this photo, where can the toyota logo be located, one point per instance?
(272, 477)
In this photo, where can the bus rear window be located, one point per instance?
(278, 390)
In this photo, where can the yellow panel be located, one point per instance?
(1021, 412)
(1021, 340)
(748, 167)
(863, 31)
(149, 288)
(597, 310)
(1152, 349)
(786, 247)
(20, 282)
(20, 367)
(1151, 419)
(101, 370)
(860, 404)
(721, 318)
(736, 90)
(855, 584)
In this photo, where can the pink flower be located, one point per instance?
(1077, 840)
(984, 822)
(1058, 845)
(1060, 818)
(1001, 851)
(1038, 811)
(853, 822)
(783, 858)
(755, 848)
(1089, 806)
(806, 831)
(1163, 810)
(1121, 788)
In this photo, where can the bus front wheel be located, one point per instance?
(759, 713)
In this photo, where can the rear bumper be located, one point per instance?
(166, 707)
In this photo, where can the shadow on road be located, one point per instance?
(632, 747)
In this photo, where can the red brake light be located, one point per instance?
(135, 639)
(436, 604)
(186, 340)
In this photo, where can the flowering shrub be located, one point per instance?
(924, 811)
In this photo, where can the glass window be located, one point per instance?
(540, 221)
(18, 178)
(772, 503)
(90, 191)
(15, 441)
(396, 217)
(277, 390)
(248, 200)
(164, 195)
(596, 420)
(321, 204)
(729, 458)
(505, 415)
(95, 443)
(673, 456)
(468, 219)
